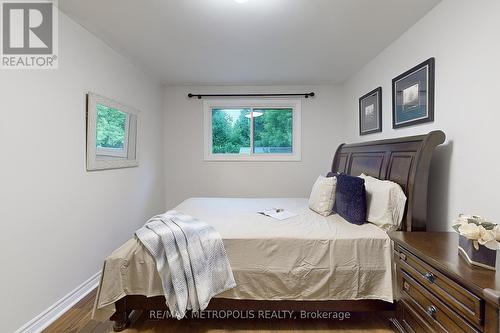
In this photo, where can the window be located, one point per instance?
(258, 130)
(111, 132)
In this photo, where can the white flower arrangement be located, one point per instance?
(479, 230)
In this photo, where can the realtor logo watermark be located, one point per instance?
(29, 35)
(253, 314)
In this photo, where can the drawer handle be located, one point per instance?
(406, 286)
(430, 277)
(402, 256)
(431, 310)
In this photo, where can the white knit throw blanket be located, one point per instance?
(190, 259)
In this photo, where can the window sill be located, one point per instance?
(253, 158)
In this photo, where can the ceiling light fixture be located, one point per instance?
(255, 113)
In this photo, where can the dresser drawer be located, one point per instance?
(431, 310)
(459, 299)
(411, 321)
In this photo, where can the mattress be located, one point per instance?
(306, 257)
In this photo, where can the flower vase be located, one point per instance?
(476, 254)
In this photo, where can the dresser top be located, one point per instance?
(440, 249)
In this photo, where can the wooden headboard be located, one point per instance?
(405, 161)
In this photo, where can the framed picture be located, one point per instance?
(370, 112)
(413, 96)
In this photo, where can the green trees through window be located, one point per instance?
(111, 127)
(232, 131)
(272, 131)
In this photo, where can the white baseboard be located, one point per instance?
(57, 309)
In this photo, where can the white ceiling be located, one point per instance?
(205, 42)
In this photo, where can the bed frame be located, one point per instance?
(405, 161)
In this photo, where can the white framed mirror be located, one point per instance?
(112, 134)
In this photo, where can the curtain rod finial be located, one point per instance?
(193, 95)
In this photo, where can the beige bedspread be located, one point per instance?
(307, 257)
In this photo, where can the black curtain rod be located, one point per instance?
(200, 96)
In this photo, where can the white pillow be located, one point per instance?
(385, 202)
(323, 195)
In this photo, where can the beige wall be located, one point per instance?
(188, 175)
(58, 222)
(463, 37)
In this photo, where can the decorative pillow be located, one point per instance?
(385, 202)
(323, 195)
(332, 174)
(350, 199)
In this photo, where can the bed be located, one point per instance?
(307, 262)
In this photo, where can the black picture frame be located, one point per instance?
(370, 121)
(413, 95)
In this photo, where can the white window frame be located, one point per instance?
(103, 162)
(294, 104)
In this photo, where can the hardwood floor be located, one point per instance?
(77, 320)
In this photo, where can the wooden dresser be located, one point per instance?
(437, 291)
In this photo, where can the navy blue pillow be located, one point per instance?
(350, 199)
(331, 174)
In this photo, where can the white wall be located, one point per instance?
(463, 37)
(188, 175)
(58, 222)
